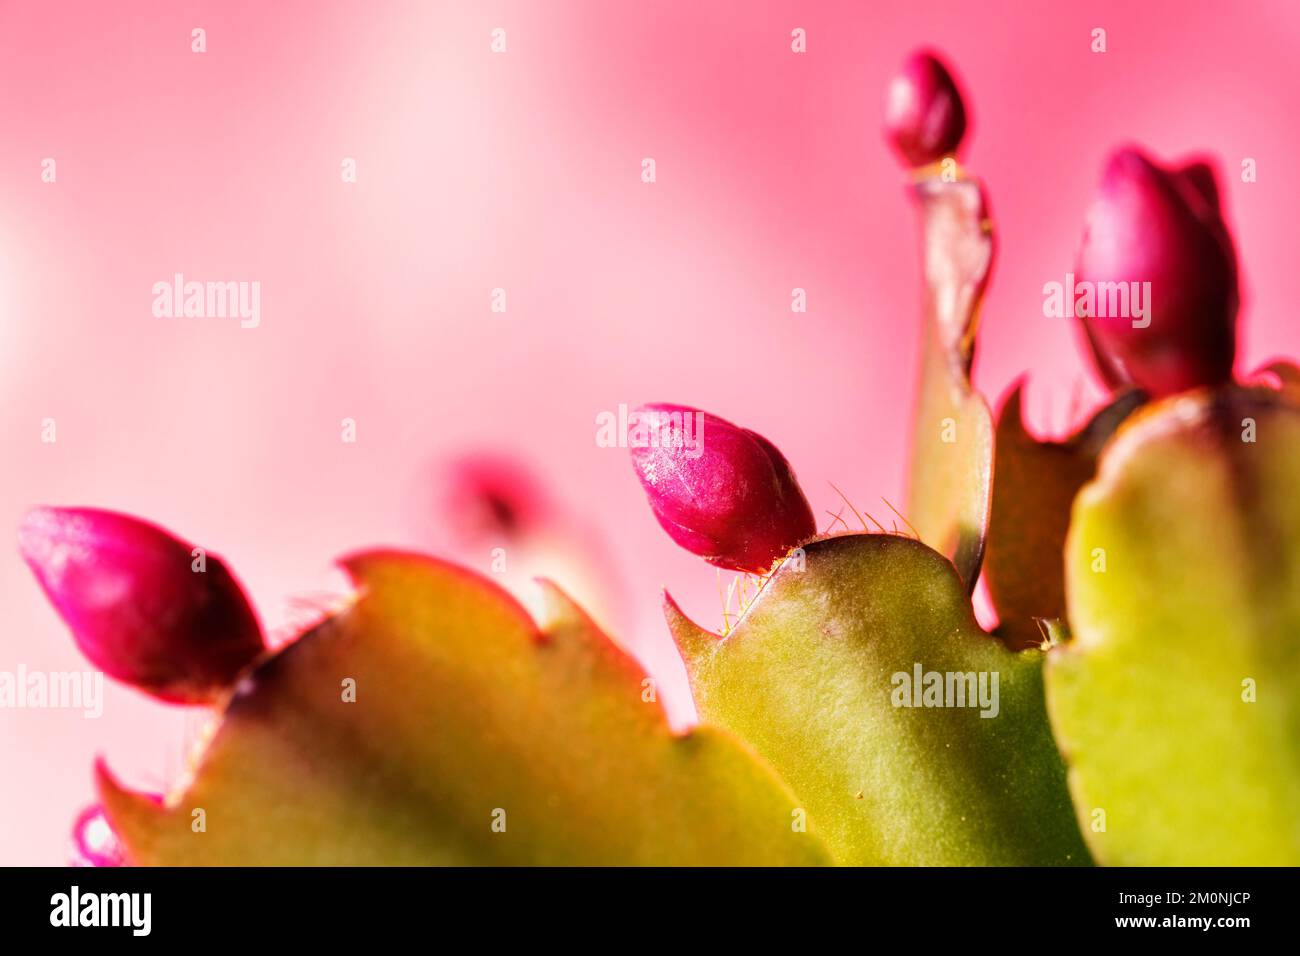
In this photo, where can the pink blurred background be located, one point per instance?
(522, 171)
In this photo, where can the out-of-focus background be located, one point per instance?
(521, 171)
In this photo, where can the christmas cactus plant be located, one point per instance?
(1135, 704)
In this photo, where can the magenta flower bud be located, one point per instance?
(94, 842)
(143, 606)
(720, 491)
(925, 119)
(1156, 277)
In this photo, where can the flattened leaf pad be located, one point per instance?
(1177, 703)
(473, 739)
(809, 677)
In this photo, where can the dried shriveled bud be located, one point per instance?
(1156, 277)
(145, 607)
(925, 119)
(720, 491)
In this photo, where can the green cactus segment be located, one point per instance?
(952, 437)
(1177, 701)
(808, 678)
(1034, 486)
(474, 738)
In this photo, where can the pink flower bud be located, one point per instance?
(94, 843)
(720, 491)
(143, 606)
(924, 116)
(488, 497)
(1155, 239)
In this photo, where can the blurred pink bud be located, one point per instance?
(720, 491)
(488, 496)
(1158, 234)
(143, 606)
(94, 843)
(924, 116)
